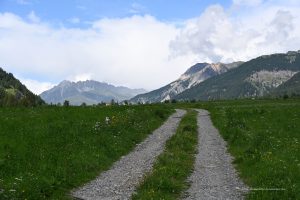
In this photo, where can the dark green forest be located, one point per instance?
(14, 93)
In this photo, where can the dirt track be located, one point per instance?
(214, 176)
(121, 180)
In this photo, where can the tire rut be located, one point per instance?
(214, 176)
(121, 180)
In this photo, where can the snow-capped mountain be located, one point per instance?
(89, 92)
(193, 76)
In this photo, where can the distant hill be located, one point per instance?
(193, 76)
(89, 92)
(264, 76)
(14, 93)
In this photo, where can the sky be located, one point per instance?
(138, 44)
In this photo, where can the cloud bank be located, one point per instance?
(129, 51)
(220, 35)
(141, 51)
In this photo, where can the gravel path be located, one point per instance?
(214, 176)
(121, 180)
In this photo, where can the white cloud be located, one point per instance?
(80, 77)
(141, 51)
(129, 51)
(137, 8)
(36, 86)
(247, 2)
(33, 17)
(219, 35)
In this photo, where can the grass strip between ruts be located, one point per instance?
(174, 165)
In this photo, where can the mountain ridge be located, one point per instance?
(258, 77)
(89, 92)
(192, 76)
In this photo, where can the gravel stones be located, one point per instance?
(120, 181)
(214, 176)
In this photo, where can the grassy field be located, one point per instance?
(47, 151)
(168, 179)
(264, 137)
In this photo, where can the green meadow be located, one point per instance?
(263, 136)
(47, 151)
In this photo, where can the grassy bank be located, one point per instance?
(264, 137)
(46, 151)
(172, 168)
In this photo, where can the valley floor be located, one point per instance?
(45, 152)
(213, 177)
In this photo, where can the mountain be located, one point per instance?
(89, 92)
(290, 87)
(265, 75)
(14, 93)
(193, 76)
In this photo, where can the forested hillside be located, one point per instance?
(13, 92)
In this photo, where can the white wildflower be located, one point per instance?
(97, 126)
(107, 120)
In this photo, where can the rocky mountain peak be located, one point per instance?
(218, 67)
(65, 83)
(195, 68)
(89, 92)
(193, 76)
(268, 75)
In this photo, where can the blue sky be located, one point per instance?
(138, 44)
(84, 11)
